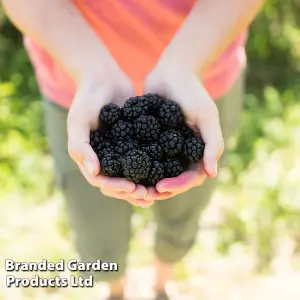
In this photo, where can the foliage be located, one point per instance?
(262, 161)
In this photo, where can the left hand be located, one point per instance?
(93, 93)
(201, 114)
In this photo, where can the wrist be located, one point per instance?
(167, 72)
(99, 74)
(106, 82)
(93, 70)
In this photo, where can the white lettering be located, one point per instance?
(73, 265)
(9, 265)
(10, 280)
(81, 281)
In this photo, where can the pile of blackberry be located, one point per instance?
(145, 141)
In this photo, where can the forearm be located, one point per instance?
(59, 28)
(208, 30)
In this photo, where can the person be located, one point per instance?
(87, 53)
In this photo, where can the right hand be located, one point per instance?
(201, 114)
(92, 94)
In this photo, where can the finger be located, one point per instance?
(108, 183)
(198, 167)
(183, 182)
(114, 194)
(214, 145)
(91, 179)
(78, 144)
(125, 196)
(153, 194)
(140, 202)
(140, 192)
(115, 184)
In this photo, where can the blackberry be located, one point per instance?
(193, 149)
(106, 133)
(134, 107)
(170, 114)
(154, 151)
(98, 142)
(147, 128)
(155, 101)
(110, 165)
(173, 168)
(171, 142)
(187, 132)
(125, 146)
(122, 131)
(95, 138)
(136, 165)
(103, 144)
(156, 173)
(110, 113)
(103, 152)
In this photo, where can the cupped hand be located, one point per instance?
(201, 114)
(93, 93)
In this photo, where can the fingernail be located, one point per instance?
(216, 168)
(89, 166)
(148, 198)
(139, 195)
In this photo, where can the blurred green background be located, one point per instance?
(259, 191)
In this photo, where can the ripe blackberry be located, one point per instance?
(155, 101)
(98, 142)
(187, 132)
(193, 149)
(103, 144)
(134, 107)
(126, 146)
(147, 128)
(110, 165)
(136, 165)
(110, 113)
(121, 131)
(105, 132)
(173, 168)
(95, 138)
(103, 152)
(171, 142)
(156, 173)
(170, 114)
(154, 151)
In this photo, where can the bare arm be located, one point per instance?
(208, 30)
(59, 27)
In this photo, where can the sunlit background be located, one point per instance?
(249, 242)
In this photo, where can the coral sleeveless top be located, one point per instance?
(136, 32)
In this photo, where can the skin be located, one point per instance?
(177, 75)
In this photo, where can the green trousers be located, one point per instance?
(102, 225)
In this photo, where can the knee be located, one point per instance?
(174, 242)
(116, 257)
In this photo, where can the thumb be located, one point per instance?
(211, 133)
(78, 144)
